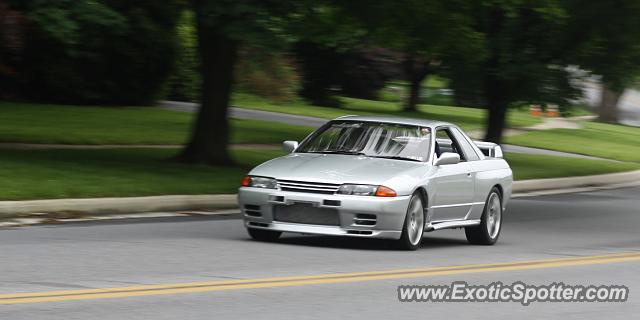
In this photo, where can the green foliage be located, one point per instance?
(522, 52)
(267, 74)
(97, 52)
(264, 71)
(185, 81)
(258, 22)
(605, 38)
(432, 29)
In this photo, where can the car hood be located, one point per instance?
(334, 168)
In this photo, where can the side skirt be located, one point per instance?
(451, 224)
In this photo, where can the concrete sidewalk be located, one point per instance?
(106, 206)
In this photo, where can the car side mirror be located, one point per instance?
(448, 158)
(289, 146)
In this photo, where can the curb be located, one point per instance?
(600, 180)
(107, 206)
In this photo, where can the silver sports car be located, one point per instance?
(380, 177)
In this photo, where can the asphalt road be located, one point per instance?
(90, 255)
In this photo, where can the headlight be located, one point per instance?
(357, 189)
(259, 182)
(366, 190)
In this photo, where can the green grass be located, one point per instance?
(531, 166)
(596, 139)
(48, 174)
(39, 123)
(432, 82)
(467, 118)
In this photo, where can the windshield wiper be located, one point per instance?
(356, 153)
(397, 158)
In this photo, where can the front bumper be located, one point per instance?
(389, 212)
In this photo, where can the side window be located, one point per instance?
(466, 146)
(445, 142)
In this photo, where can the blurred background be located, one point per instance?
(126, 98)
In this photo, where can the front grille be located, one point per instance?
(309, 187)
(307, 214)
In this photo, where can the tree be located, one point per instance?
(96, 52)
(221, 26)
(524, 57)
(610, 46)
(333, 54)
(425, 33)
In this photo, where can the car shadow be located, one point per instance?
(354, 243)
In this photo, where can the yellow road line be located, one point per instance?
(207, 286)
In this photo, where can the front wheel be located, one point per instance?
(488, 231)
(413, 224)
(264, 235)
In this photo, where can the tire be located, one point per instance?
(488, 231)
(413, 227)
(264, 235)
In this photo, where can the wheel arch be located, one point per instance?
(500, 190)
(424, 196)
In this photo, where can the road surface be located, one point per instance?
(191, 256)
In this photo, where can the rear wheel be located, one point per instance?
(488, 231)
(264, 235)
(413, 228)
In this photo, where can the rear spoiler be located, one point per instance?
(489, 149)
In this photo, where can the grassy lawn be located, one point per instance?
(38, 123)
(46, 174)
(596, 139)
(530, 166)
(467, 118)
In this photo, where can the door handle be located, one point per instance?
(468, 174)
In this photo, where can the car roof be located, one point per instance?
(398, 120)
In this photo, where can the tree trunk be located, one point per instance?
(608, 110)
(496, 87)
(498, 102)
(414, 95)
(415, 71)
(210, 137)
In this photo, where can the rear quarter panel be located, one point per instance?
(489, 173)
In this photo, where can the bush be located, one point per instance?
(97, 52)
(266, 74)
(358, 73)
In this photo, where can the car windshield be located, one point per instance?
(373, 139)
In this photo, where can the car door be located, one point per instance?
(454, 183)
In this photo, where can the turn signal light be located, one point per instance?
(246, 181)
(383, 191)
